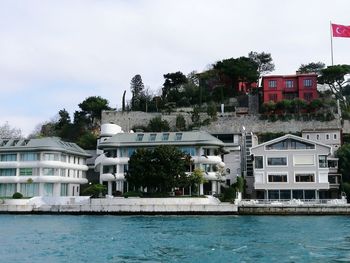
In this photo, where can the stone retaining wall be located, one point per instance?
(295, 210)
(228, 123)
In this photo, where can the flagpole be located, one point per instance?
(330, 24)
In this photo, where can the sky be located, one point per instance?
(55, 54)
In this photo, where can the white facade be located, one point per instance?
(291, 167)
(202, 147)
(41, 167)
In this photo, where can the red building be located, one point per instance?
(279, 87)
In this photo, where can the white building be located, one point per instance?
(203, 148)
(291, 167)
(41, 167)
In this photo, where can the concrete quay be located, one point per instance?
(119, 206)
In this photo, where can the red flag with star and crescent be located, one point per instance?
(340, 30)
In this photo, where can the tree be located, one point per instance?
(313, 67)
(173, 82)
(264, 62)
(91, 109)
(6, 131)
(158, 125)
(63, 120)
(180, 123)
(334, 77)
(137, 91)
(159, 170)
(234, 70)
(123, 101)
(343, 153)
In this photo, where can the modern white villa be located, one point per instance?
(117, 147)
(291, 167)
(41, 167)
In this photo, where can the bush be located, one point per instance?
(17, 195)
(228, 194)
(95, 190)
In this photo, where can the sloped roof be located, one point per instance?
(289, 136)
(157, 138)
(41, 144)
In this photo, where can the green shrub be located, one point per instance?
(228, 194)
(17, 195)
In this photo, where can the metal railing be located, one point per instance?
(249, 202)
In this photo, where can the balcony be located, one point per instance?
(334, 180)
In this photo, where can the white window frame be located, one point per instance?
(300, 165)
(277, 173)
(283, 156)
(304, 172)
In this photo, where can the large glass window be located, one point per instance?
(48, 189)
(25, 171)
(322, 161)
(178, 136)
(277, 178)
(152, 137)
(30, 156)
(8, 172)
(64, 189)
(285, 194)
(259, 162)
(165, 137)
(277, 161)
(50, 171)
(7, 190)
(304, 177)
(139, 137)
(290, 144)
(51, 156)
(8, 157)
(29, 190)
(188, 150)
(273, 194)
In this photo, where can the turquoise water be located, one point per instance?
(62, 238)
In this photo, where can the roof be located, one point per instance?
(161, 138)
(291, 76)
(290, 136)
(41, 144)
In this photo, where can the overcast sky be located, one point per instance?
(54, 54)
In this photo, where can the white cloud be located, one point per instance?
(96, 47)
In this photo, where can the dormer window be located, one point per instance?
(139, 137)
(165, 137)
(178, 136)
(152, 137)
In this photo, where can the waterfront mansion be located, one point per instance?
(117, 147)
(291, 167)
(41, 167)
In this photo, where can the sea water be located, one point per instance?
(63, 238)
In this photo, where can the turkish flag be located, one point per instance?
(340, 30)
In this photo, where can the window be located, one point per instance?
(63, 172)
(290, 144)
(259, 162)
(188, 150)
(277, 161)
(334, 136)
(178, 136)
(139, 137)
(317, 137)
(8, 157)
(29, 156)
(307, 96)
(64, 189)
(125, 168)
(277, 178)
(165, 137)
(48, 189)
(328, 136)
(273, 97)
(307, 82)
(49, 171)
(50, 156)
(304, 160)
(272, 84)
(308, 136)
(8, 172)
(304, 177)
(29, 190)
(152, 137)
(25, 171)
(63, 158)
(289, 84)
(7, 190)
(322, 161)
